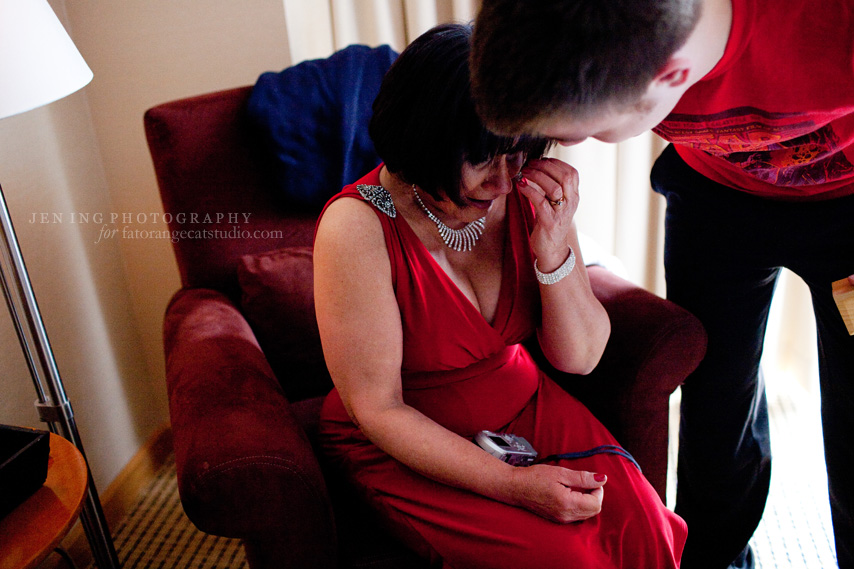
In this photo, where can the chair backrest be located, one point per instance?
(217, 190)
(247, 170)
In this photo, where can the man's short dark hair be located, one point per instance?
(534, 59)
(424, 125)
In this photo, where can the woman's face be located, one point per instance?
(482, 184)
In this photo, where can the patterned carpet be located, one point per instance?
(794, 534)
(157, 534)
(796, 531)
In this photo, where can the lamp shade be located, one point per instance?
(38, 61)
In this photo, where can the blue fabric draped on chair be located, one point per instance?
(313, 118)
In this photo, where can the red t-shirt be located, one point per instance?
(775, 117)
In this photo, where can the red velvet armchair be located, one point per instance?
(245, 372)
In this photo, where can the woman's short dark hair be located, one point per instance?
(424, 125)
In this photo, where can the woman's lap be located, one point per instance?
(470, 531)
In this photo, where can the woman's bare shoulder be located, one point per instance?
(350, 232)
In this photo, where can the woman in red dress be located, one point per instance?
(429, 273)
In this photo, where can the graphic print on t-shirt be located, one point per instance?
(783, 149)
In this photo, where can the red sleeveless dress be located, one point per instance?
(468, 375)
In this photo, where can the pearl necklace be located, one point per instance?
(460, 240)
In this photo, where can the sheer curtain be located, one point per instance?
(618, 210)
(316, 28)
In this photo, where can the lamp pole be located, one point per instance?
(52, 403)
(39, 64)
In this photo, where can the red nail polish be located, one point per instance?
(522, 181)
(600, 477)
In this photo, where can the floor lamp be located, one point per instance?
(38, 65)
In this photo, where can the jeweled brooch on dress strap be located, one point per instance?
(378, 196)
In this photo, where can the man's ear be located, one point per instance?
(675, 72)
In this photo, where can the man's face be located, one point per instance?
(611, 124)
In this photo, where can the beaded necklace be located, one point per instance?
(463, 239)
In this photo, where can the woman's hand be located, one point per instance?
(574, 327)
(552, 187)
(558, 494)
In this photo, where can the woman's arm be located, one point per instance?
(575, 326)
(361, 332)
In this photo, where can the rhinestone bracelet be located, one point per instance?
(560, 273)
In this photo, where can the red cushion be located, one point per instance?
(277, 299)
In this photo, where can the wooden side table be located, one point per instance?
(33, 529)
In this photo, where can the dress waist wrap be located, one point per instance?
(485, 395)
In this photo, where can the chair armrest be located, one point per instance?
(654, 336)
(245, 467)
(654, 345)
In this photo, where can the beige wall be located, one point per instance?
(103, 299)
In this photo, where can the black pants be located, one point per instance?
(723, 253)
